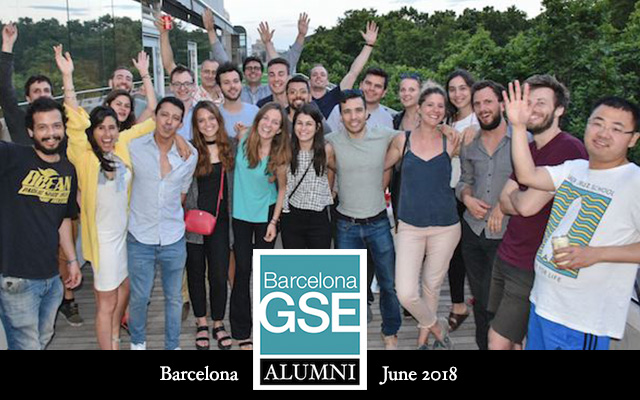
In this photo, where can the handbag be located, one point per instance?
(202, 222)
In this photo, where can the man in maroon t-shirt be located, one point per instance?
(513, 273)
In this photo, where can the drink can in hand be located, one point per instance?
(168, 22)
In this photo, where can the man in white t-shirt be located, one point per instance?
(582, 292)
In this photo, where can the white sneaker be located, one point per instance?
(142, 346)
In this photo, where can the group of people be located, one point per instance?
(482, 180)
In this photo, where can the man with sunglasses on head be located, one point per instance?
(362, 221)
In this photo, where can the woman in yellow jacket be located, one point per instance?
(101, 156)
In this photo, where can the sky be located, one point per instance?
(282, 15)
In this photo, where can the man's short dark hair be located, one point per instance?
(494, 86)
(180, 69)
(172, 100)
(621, 104)
(252, 59)
(43, 104)
(299, 79)
(119, 68)
(351, 94)
(560, 91)
(226, 68)
(280, 60)
(36, 79)
(378, 72)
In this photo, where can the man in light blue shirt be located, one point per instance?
(161, 179)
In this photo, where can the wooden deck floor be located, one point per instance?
(83, 338)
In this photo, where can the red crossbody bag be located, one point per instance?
(202, 222)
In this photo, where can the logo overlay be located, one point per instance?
(310, 328)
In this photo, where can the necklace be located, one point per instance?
(210, 142)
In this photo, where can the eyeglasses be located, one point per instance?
(253, 68)
(182, 85)
(600, 126)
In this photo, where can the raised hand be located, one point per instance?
(9, 37)
(303, 24)
(64, 62)
(370, 36)
(266, 35)
(207, 20)
(517, 104)
(142, 63)
(159, 23)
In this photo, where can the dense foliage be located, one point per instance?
(593, 46)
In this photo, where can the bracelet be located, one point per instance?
(274, 221)
(72, 261)
(146, 76)
(370, 45)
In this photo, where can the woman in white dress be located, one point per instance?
(100, 154)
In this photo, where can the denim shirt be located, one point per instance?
(156, 215)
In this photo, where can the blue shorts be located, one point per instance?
(546, 335)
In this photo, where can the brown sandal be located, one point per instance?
(455, 320)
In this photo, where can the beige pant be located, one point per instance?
(422, 262)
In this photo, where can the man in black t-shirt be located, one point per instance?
(38, 189)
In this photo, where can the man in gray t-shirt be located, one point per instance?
(362, 221)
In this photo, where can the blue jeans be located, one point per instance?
(143, 259)
(28, 309)
(376, 237)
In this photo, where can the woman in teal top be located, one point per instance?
(263, 153)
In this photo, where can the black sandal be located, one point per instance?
(246, 345)
(202, 343)
(216, 330)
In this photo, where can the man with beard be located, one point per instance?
(298, 94)
(36, 86)
(38, 189)
(234, 110)
(486, 167)
(513, 270)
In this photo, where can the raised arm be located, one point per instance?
(370, 37)
(219, 53)
(142, 65)
(518, 108)
(13, 115)
(166, 52)
(266, 36)
(293, 56)
(65, 65)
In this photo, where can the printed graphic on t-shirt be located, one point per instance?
(576, 213)
(47, 185)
